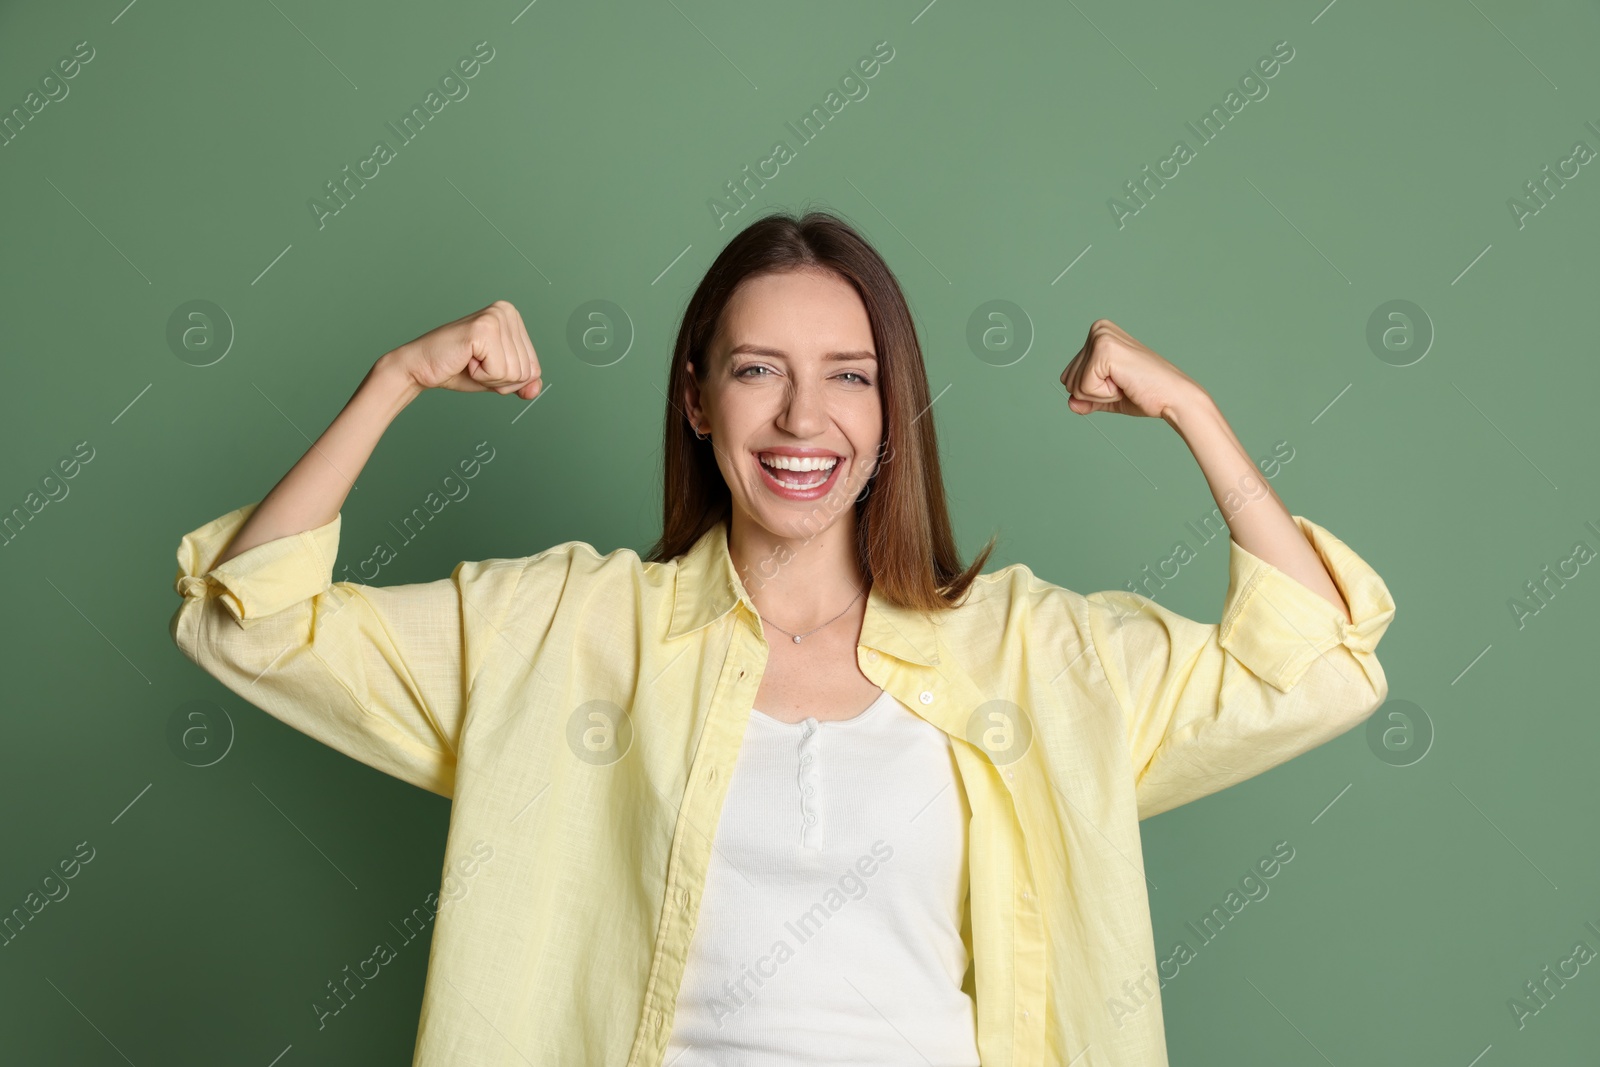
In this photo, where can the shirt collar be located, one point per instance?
(708, 587)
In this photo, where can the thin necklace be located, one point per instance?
(808, 633)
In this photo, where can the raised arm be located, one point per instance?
(1292, 663)
(378, 672)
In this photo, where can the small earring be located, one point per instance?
(702, 436)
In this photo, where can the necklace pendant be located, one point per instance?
(797, 639)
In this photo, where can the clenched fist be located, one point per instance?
(1113, 372)
(488, 350)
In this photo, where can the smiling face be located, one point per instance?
(791, 400)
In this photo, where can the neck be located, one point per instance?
(803, 581)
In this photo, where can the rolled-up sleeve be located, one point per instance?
(377, 672)
(1207, 706)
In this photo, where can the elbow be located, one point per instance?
(181, 628)
(1380, 687)
(192, 625)
(1369, 689)
(1350, 686)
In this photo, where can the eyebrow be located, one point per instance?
(832, 357)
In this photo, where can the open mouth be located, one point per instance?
(805, 475)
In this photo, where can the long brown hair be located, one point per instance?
(903, 543)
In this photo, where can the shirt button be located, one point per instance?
(806, 758)
(1025, 894)
(1011, 775)
(925, 696)
(811, 817)
(872, 656)
(810, 789)
(1024, 1014)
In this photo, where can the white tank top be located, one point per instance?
(829, 928)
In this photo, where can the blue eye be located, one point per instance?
(748, 372)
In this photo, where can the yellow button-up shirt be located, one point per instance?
(584, 713)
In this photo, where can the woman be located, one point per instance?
(798, 786)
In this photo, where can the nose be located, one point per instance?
(805, 411)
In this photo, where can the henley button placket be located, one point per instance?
(808, 778)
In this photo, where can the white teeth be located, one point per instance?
(799, 463)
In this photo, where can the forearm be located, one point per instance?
(314, 490)
(1256, 517)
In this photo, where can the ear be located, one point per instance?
(691, 399)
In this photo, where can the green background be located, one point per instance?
(1379, 167)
